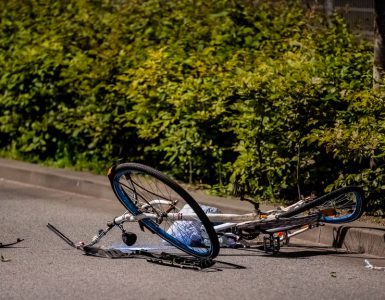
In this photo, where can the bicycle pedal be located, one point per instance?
(271, 244)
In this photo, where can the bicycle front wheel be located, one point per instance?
(142, 189)
(341, 206)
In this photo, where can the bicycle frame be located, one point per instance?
(228, 220)
(127, 217)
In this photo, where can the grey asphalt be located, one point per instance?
(356, 237)
(44, 267)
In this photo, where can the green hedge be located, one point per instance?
(207, 91)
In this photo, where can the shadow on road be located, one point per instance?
(292, 251)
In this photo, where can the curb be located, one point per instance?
(355, 237)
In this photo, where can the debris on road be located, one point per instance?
(372, 267)
(11, 244)
(4, 259)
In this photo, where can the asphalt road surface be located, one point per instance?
(44, 267)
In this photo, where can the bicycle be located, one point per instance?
(163, 207)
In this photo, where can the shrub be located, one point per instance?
(210, 91)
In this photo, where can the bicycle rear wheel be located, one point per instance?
(341, 206)
(142, 189)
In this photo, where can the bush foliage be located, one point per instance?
(209, 91)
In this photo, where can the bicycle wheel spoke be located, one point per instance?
(343, 202)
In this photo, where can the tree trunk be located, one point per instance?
(379, 45)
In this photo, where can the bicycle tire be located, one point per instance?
(136, 185)
(340, 206)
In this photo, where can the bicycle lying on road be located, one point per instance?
(163, 207)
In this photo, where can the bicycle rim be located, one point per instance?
(139, 188)
(340, 206)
